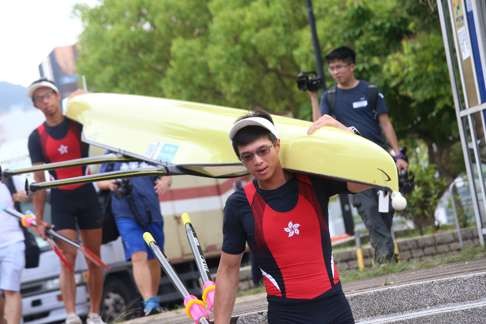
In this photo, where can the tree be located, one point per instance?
(247, 54)
(125, 45)
(429, 186)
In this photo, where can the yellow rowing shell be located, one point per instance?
(194, 136)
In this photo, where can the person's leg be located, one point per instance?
(142, 274)
(13, 306)
(136, 252)
(155, 275)
(2, 307)
(388, 220)
(378, 227)
(144, 271)
(11, 267)
(157, 232)
(146, 274)
(62, 214)
(92, 240)
(66, 280)
(90, 222)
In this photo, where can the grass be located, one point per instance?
(467, 254)
(403, 234)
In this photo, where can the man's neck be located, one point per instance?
(52, 121)
(277, 180)
(348, 84)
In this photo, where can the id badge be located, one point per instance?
(383, 201)
(360, 104)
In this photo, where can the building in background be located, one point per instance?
(60, 67)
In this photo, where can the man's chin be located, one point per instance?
(262, 176)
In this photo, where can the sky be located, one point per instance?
(29, 30)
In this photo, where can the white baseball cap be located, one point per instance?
(253, 121)
(41, 83)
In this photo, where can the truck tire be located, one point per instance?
(120, 301)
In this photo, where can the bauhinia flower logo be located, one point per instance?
(63, 149)
(292, 229)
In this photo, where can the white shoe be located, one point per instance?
(94, 319)
(72, 318)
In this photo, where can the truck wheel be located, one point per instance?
(119, 302)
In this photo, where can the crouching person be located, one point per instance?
(135, 205)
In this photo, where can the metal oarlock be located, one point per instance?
(29, 220)
(194, 307)
(208, 286)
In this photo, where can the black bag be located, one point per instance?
(110, 230)
(32, 250)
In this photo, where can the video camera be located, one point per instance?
(406, 182)
(308, 81)
(406, 179)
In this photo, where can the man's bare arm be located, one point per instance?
(38, 202)
(357, 187)
(227, 279)
(391, 137)
(316, 111)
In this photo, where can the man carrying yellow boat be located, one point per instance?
(283, 216)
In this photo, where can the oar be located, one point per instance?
(29, 220)
(194, 307)
(144, 171)
(25, 222)
(60, 254)
(107, 158)
(208, 285)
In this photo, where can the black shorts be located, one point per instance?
(330, 308)
(79, 206)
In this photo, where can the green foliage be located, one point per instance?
(125, 46)
(429, 186)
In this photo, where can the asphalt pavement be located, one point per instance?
(452, 293)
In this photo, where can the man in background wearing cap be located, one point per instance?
(59, 139)
(283, 218)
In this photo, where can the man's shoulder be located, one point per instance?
(236, 206)
(331, 89)
(237, 201)
(237, 197)
(34, 134)
(72, 124)
(36, 129)
(368, 86)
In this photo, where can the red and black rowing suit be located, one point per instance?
(287, 231)
(69, 203)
